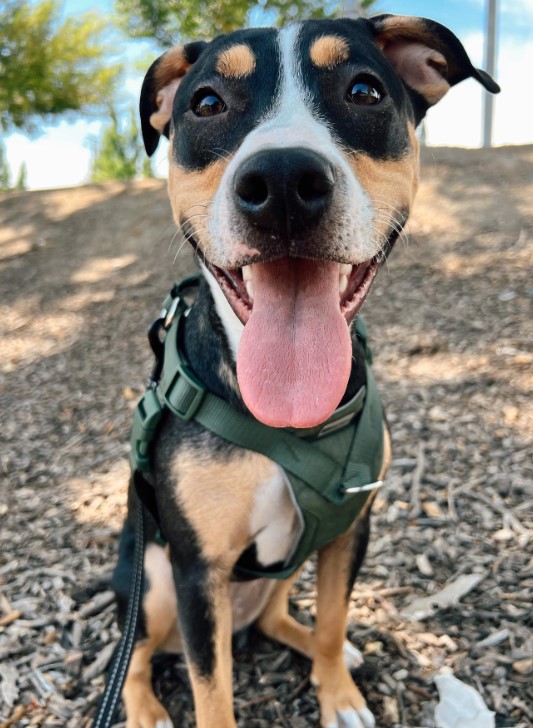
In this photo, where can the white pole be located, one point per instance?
(489, 64)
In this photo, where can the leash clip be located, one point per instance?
(169, 315)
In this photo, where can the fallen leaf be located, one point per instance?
(460, 706)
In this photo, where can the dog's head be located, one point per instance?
(293, 167)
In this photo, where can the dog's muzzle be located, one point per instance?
(284, 191)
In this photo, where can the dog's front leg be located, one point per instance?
(341, 703)
(205, 618)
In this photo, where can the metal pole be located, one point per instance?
(489, 63)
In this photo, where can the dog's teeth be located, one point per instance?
(249, 287)
(345, 269)
(247, 273)
(343, 284)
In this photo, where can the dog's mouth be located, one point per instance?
(295, 353)
(354, 282)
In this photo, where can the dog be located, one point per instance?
(293, 168)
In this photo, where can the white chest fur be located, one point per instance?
(275, 522)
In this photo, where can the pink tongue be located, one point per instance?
(295, 353)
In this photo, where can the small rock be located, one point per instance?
(373, 648)
(524, 667)
(424, 565)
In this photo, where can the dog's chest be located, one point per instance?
(275, 522)
(234, 505)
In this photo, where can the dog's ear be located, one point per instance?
(159, 88)
(427, 56)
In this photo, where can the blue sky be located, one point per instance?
(60, 156)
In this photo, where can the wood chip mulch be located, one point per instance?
(449, 574)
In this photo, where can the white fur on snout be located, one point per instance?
(352, 657)
(292, 122)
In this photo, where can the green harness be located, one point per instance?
(332, 468)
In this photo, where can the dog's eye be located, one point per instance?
(363, 93)
(208, 104)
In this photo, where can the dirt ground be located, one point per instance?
(83, 271)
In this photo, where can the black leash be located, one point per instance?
(121, 659)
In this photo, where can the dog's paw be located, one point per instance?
(341, 702)
(152, 715)
(352, 657)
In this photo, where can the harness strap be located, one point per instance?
(185, 396)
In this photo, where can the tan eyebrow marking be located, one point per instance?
(328, 51)
(236, 62)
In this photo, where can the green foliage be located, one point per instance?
(169, 20)
(119, 152)
(4, 170)
(21, 179)
(48, 67)
(147, 171)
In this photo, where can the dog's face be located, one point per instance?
(293, 167)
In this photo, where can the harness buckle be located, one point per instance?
(184, 396)
(145, 420)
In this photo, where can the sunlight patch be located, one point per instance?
(98, 269)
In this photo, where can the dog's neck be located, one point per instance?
(211, 342)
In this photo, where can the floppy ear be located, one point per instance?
(159, 88)
(427, 56)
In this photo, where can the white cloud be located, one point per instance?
(518, 7)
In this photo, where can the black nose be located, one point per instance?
(284, 190)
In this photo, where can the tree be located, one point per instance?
(169, 20)
(48, 67)
(4, 170)
(119, 152)
(21, 179)
(147, 171)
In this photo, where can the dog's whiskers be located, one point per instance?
(183, 228)
(186, 239)
(226, 155)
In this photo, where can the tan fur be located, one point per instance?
(160, 610)
(335, 688)
(276, 623)
(328, 51)
(236, 62)
(167, 75)
(402, 26)
(142, 707)
(217, 497)
(415, 52)
(160, 603)
(191, 193)
(421, 67)
(171, 66)
(390, 184)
